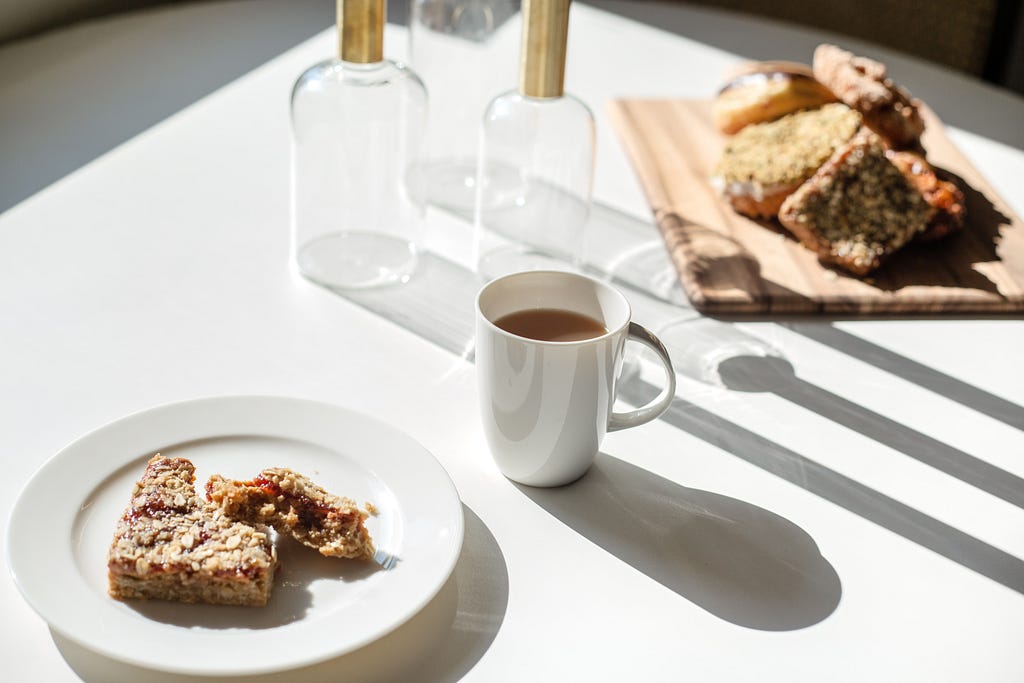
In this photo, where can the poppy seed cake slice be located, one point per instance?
(857, 209)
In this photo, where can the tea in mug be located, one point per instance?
(551, 324)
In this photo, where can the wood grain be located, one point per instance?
(730, 264)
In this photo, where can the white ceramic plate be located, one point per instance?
(62, 524)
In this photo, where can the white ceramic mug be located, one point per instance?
(546, 405)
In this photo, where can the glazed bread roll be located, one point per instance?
(765, 91)
(863, 84)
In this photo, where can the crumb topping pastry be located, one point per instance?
(858, 208)
(789, 150)
(847, 174)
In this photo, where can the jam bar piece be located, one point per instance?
(172, 545)
(294, 505)
(857, 209)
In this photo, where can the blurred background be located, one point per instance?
(78, 77)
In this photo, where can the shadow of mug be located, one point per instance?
(440, 643)
(740, 562)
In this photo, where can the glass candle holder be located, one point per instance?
(358, 123)
(536, 159)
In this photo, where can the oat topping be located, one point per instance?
(789, 150)
(295, 505)
(170, 544)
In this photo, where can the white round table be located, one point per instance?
(847, 511)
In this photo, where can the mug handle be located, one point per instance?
(659, 405)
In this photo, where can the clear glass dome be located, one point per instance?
(357, 211)
(534, 184)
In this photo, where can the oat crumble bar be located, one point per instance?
(294, 505)
(171, 545)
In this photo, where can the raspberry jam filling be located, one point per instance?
(310, 512)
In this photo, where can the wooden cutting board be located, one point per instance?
(729, 264)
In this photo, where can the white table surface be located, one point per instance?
(861, 521)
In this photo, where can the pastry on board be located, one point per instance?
(857, 209)
(863, 84)
(764, 91)
(846, 175)
(765, 162)
(942, 195)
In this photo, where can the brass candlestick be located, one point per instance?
(361, 31)
(545, 33)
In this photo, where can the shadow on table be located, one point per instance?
(962, 254)
(776, 375)
(437, 305)
(742, 563)
(631, 253)
(849, 494)
(928, 378)
(440, 644)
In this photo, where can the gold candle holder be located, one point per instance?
(545, 33)
(361, 31)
